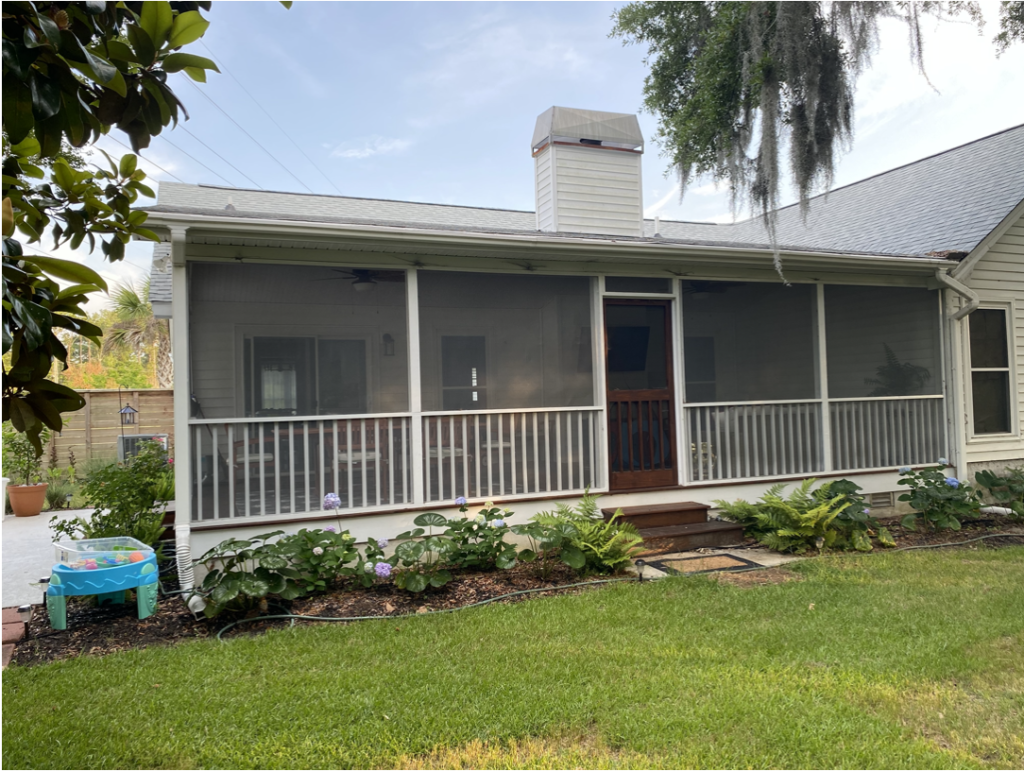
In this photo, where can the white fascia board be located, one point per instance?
(330, 231)
(962, 272)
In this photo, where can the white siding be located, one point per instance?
(545, 197)
(597, 191)
(999, 279)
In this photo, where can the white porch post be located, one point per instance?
(601, 474)
(826, 413)
(679, 374)
(412, 310)
(182, 387)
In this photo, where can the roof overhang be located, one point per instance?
(255, 239)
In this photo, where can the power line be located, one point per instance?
(168, 141)
(229, 163)
(240, 128)
(147, 160)
(267, 113)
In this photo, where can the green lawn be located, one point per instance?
(885, 660)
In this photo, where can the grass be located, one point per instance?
(881, 661)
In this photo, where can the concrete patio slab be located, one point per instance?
(28, 555)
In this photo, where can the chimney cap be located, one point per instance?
(617, 129)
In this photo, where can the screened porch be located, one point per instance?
(402, 388)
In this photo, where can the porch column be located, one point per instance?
(597, 354)
(182, 387)
(826, 412)
(412, 312)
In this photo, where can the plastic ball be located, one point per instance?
(91, 566)
(136, 556)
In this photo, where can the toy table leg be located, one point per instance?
(146, 600)
(114, 598)
(57, 607)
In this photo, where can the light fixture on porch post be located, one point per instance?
(389, 344)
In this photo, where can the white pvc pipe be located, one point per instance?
(997, 510)
(186, 574)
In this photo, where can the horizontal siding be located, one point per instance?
(597, 191)
(999, 277)
(545, 190)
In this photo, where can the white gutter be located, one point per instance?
(425, 235)
(973, 301)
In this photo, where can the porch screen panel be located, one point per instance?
(748, 341)
(499, 341)
(293, 341)
(882, 341)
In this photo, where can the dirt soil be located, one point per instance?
(113, 628)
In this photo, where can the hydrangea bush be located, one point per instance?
(941, 501)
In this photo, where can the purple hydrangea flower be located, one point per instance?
(943, 461)
(331, 502)
(317, 550)
(382, 569)
(498, 523)
(905, 470)
(329, 529)
(382, 543)
(460, 501)
(952, 482)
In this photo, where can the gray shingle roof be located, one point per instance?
(948, 201)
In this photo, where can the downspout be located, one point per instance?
(973, 301)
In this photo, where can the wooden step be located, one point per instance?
(715, 534)
(662, 514)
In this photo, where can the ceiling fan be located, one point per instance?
(365, 279)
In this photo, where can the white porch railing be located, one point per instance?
(887, 431)
(511, 452)
(249, 467)
(749, 440)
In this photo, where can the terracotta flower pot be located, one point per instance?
(27, 500)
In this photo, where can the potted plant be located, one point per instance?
(27, 491)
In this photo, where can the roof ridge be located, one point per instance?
(887, 171)
(354, 198)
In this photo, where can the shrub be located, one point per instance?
(941, 501)
(604, 547)
(1006, 491)
(20, 459)
(124, 499)
(800, 521)
(855, 524)
(478, 543)
(548, 542)
(423, 560)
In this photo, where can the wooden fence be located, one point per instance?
(92, 431)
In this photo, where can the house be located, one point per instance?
(402, 354)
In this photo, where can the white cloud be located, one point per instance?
(369, 147)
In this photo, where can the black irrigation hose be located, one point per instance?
(293, 616)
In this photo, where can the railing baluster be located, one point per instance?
(547, 452)
(579, 450)
(199, 471)
(464, 490)
(558, 447)
(536, 457)
(334, 452)
(406, 460)
(277, 468)
(378, 458)
(391, 461)
(476, 454)
(490, 461)
(231, 470)
(512, 449)
(305, 461)
(245, 451)
(216, 473)
(323, 468)
(350, 496)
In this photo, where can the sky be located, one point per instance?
(436, 102)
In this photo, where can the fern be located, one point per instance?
(606, 546)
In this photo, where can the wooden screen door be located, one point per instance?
(641, 413)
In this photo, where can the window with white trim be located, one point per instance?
(990, 371)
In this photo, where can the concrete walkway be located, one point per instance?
(760, 556)
(28, 555)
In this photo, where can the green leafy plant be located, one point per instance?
(124, 496)
(316, 559)
(800, 521)
(1006, 490)
(422, 559)
(941, 501)
(60, 487)
(478, 543)
(855, 524)
(21, 460)
(603, 546)
(549, 543)
(897, 378)
(240, 574)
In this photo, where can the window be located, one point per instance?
(990, 371)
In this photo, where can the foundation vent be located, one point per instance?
(881, 500)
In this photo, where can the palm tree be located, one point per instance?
(136, 329)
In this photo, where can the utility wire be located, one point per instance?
(268, 114)
(229, 163)
(168, 141)
(147, 160)
(240, 128)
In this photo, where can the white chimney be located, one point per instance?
(587, 166)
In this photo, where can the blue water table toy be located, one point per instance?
(106, 567)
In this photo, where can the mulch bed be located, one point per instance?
(111, 629)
